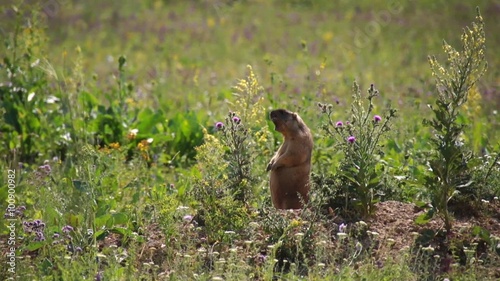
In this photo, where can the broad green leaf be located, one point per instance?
(34, 245)
(148, 119)
(121, 230)
(120, 218)
(88, 99)
(81, 185)
(482, 233)
(101, 234)
(101, 221)
(425, 218)
(74, 220)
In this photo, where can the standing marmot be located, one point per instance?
(291, 165)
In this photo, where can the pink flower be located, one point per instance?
(219, 125)
(67, 229)
(351, 139)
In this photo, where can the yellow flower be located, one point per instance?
(145, 156)
(210, 22)
(473, 104)
(143, 145)
(295, 223)
(104, 150)
(328, 36)
(158, 5)
(114, 145)
(130, 102)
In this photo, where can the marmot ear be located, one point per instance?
(294, 115)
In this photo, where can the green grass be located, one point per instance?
(168, 69)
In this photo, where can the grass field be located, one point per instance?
(113, 168)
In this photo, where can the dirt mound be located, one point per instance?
(396, 220)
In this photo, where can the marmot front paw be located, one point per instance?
(269, 166)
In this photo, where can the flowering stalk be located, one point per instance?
(236, 138)
(449, 169)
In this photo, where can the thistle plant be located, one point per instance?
(245, 135)
(235, 137)
(228, 170)
(449, 162)
(359, 173)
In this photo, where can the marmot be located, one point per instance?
(291, 165)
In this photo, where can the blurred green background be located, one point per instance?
(184, 56)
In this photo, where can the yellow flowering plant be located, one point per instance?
(450, 162)
(227, 171)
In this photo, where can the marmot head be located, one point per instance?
(286, 121)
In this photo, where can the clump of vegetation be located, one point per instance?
(31, 124)
(450, 161)
(360, 175)
(224, 185)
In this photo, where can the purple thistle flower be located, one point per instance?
(351, 139)
(261, 258)
(67, 229)
(55, 235)
(46, 168)
(377, 118)
(236, 119)
(39, 236)
(219, 125)
(78, 249)
(187, 218)
(342, 227)
(339, 124)
(27, 228)
(98, 276)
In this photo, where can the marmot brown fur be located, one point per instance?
(291, 165)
